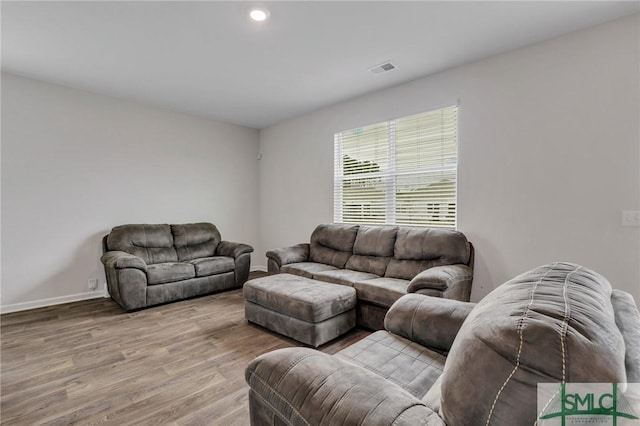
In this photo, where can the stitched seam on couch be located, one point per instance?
(391, 379)
(413, 317)
(428, 365)
(274, 409)
(565, 322)
(563, 336)
(293, 364)
(404, 413)
(254, 377)
(520, 330)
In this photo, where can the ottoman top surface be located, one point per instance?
(299, 297)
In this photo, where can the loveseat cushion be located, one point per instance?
(306, 269)
(403, 362)
(212, 265)
(151, 243)
(553, 324)
(343, 276)
(381, 291)
(195, 240)
(332, 244)
(169, 272)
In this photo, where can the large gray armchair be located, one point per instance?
(446, 362)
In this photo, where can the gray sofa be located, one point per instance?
(382, 263)
(149, 265)
(446, 362)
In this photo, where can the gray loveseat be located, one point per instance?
(382, 263)
(148, 265)
(446, 362)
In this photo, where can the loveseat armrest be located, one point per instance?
(283, 256)
(433, 322)
(231, 249)
(301, 386)
(454, 281)
(126, 279)
(121, 260)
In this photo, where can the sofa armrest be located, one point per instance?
(126, 279)
(430, 321)
(305, 386)
(228, 248)
(286, 255)
(121, 260)
(453, 280)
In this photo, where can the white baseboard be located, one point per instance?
(16, 307)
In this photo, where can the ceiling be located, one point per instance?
(209, 59)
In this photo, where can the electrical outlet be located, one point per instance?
(93, 283)
(630, 218)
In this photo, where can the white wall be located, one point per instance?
(75, 164)
(549, 156)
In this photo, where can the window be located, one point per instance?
(398, 172)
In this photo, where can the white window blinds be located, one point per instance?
(398, 172)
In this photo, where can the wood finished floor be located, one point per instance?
(91, 363)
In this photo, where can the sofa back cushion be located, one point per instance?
(417, 249)
(152, 243)
(332, 244)
(373, 249)
(553, 324)
(195, 240)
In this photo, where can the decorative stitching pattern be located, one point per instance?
(565, 322)
(423, 361)
(274, 409)
(404, 413)
(520, 330)
(254, 375)
(563, 336)
(293, 364)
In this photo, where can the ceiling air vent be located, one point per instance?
(384, 67)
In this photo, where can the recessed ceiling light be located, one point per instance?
(258, 14)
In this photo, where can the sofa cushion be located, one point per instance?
(195, 240)
(381, 291)
(151, 243)
(445, 246)
(417, 249)
(401, 361)
(169, 272)
(375, 241)
(553, 324)
(371, 264)
(305, 269)
(408, 269)
(342, 276)
(332, 244)
(213, 265)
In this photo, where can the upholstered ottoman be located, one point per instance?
(309, 311)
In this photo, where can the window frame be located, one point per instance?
(391, 175)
